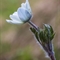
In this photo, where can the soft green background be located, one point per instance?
(16, 41)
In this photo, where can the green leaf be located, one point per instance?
(33, 30)
(35, 33)
(41, 35)
(50, 32)
(44, 35)
(52, 36)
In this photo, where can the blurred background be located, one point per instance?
(17, 41)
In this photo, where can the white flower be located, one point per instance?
(22, 15)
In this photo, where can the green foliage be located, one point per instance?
(45, 35)
(35, 33)
(49, 32)
(42, 35)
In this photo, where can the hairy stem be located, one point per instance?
(33, 25)
(47, 48)
(52, 57)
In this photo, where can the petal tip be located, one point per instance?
(7, 21)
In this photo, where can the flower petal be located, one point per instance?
(23, 5)
(23, 14)
(26, 5)
(14, 16)
(15, 13)
(14, 22)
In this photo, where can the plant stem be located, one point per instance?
(52, 57)
(49, 48)
(33, 25)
